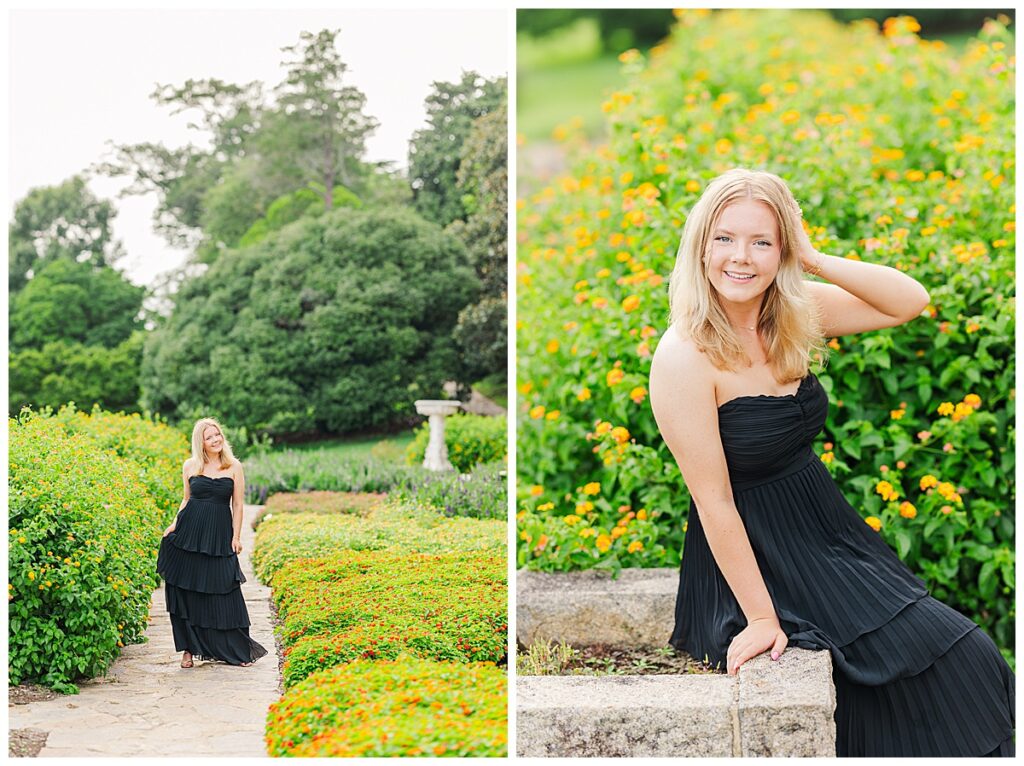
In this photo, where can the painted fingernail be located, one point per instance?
(775, 655)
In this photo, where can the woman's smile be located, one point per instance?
(745, 250)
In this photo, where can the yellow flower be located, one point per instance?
(536, 489)
(571, 519)
(603, 427)
(638, 394)
(631, 303)
(886, 490)
(592, 488)
(583, 394)
(907, 510)
(946, 489)
(614, 376)
(587, 532)
(620, 434)
(537, 412)
(827, 458)
(585, 507)
(552, 346)
(692, 186)
(897, 414)
(641, 514)
(874, 522)
(603, 542)
(31, 575)
(972, 400)
(946, 408)
(553, 415)
(961, 411)
(545, 506)
(928, 481)
(635, 546)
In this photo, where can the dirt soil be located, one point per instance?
(25, 693)
(601, 659)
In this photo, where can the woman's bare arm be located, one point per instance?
(683, 399)
(237, 506)
(862, 296)
(186, 494)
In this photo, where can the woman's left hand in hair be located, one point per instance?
(236, 545)
(802, 247)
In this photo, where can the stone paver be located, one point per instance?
(148, 706)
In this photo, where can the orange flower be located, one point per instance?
(638, 394)
(603, 542)
(874, 522)
(631, 303)
(620, 434)
(614, 376)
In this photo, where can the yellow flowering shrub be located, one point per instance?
(84, 528)
(901, 152)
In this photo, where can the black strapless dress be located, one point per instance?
(913, 676)
(203, 579)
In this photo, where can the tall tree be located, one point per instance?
(435, 152)
(59, 222)
(227, 115)
(321, 119)
(481, 334)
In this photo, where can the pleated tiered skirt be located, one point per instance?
(913, 676)
(202, 582)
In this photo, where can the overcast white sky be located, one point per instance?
(81, 78)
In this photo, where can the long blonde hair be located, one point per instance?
(199, 455)
(788, 320)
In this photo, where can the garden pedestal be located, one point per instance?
(436, 457)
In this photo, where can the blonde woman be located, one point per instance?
(774, 555)
(198, 556)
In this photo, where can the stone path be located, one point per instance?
(148, 705)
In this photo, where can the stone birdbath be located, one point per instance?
(436, 457)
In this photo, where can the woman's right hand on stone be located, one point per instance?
(759, 636)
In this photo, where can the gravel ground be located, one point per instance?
(25, 743)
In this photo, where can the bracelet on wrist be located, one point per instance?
(815, 270)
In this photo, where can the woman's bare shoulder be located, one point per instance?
(677, 356)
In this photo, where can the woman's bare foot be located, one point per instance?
(186, 660)
(245, 664)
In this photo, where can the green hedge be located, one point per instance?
(328, 503)
(901, 152)
(84, 529)
(378, 604)
(307, 470)
(482, 494)
(395, 524)
(403, 707)
(471, 440)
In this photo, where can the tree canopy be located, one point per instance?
(330, 324)
(435, 152)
